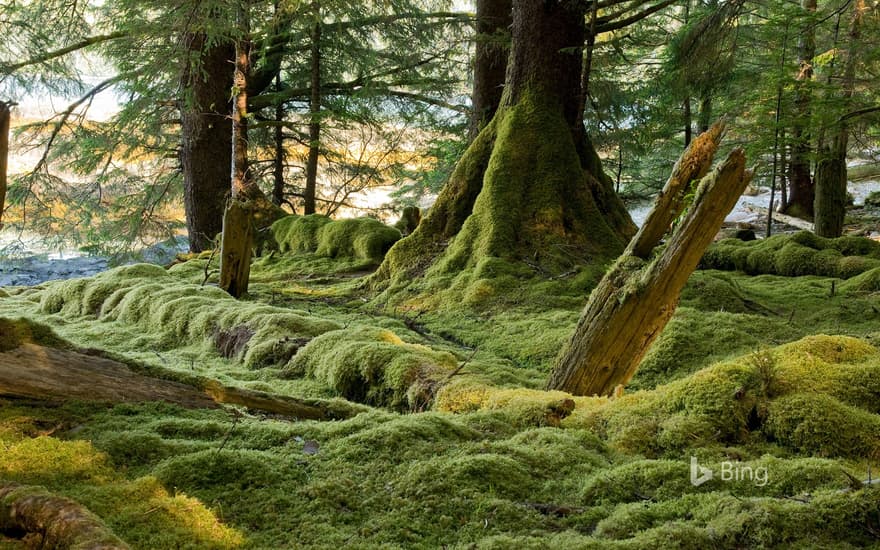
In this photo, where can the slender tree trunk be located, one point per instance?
(310, 192)
(5, 120)
(278, 168)
(238, 222)
(490, 61)
(831, 176)
(705, 112)
(206, 133)
(801, 190)
(637, 297)
(688, 122)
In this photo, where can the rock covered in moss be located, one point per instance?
(15, 332)
(362, 238)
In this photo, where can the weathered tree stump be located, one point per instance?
(236, 248)
(62, 523)
(637, 297)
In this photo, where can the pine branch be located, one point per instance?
(48, 56)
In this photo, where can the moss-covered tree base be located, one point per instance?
(522, 202)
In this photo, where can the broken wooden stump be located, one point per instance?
(636, 298)
(236, 248)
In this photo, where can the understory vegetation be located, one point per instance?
(769, 362)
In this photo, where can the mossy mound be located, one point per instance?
(795, 255)
(171, 313)
(361, 238)
(374, 366)
(139, 510)
(15, 332)
(756, 399)
(869, 281)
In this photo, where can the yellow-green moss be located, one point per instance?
(15, 332)
(373, 366)
(362, 238)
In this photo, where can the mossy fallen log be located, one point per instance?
(34, 372)
(60, 522)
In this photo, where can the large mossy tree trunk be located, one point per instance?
(634, 301)
(5, 120)
(530, 188)
(801, 191)
(206, 132)
(490, 61)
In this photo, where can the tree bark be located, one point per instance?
(5, 116)
(801, 191)
(530, 188)
(311, 188)
(705, 119)
(831, 173)
(278, 171)
(490, 61)
(638, 296)
(688, 122)
(34, 372)
(62, 523)
(206, 133)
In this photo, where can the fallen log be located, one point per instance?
(636, 298)
(60, 522)
(36, 372)
(783, 218)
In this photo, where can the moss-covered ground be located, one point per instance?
(776, 376)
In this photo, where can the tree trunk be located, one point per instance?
(5, 116)
(37, 373)
(310, 192)
(638, 296)
(278, 172)
(530, 188)
(61, 522)
(238, 219)
(831, 176)
(490, 62)
(801, 192)
(206, 133)
(705, 112)
(688, 122)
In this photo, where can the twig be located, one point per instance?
(458, 370)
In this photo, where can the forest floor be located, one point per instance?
(768, 375)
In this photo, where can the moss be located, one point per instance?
(362, 238)
(822, 425)
(15, 332)
(868, 281)
(373, 366)
(212, 469)
(795, 255)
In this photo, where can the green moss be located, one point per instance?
(15, 332)
(795, 255)
(822, 425)
(373, 366)
(362, 238)
(868, 281)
